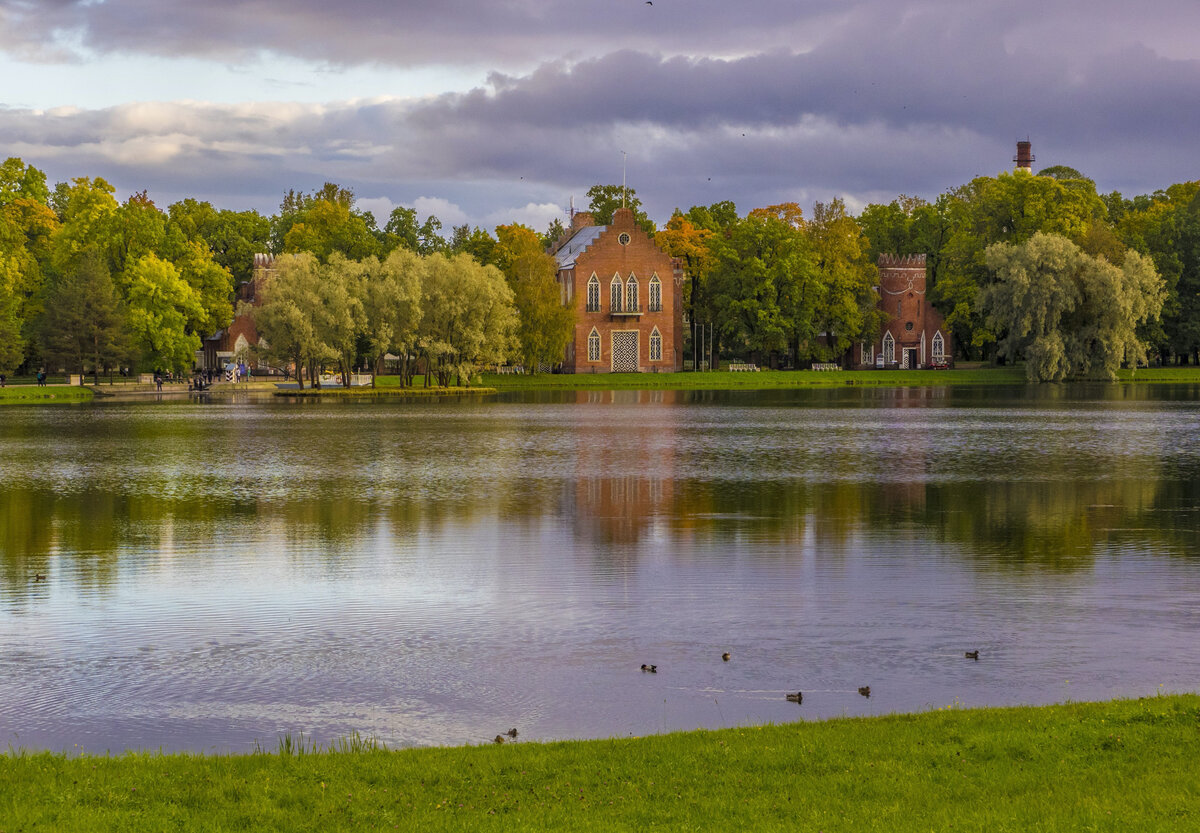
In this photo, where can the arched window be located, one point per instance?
(593, 295)
(655, 345)
(655, 294)
(615, 291)
(631, 294)
(889, 348)
(939, 346)
(594, 345)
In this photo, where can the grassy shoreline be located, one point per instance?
(389, 391)
(47, 395)
(808, 379)
(1112, 766)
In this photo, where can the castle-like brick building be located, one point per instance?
(626, 295)
(915, 335)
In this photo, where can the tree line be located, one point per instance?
(91, 284)
(1039, 268)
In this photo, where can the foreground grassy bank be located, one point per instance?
(1124, 765)
(50, 394)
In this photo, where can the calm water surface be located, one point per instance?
(220, 573)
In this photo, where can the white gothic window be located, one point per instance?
(594, 346)
(655, 294)
(615, 291)
(631, 294)
(939, 346)
(656, 346)
(593, 296)
(889, 348)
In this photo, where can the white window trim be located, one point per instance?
(655, 293)
(889, 348)
(616, 293)
(594, 339)
(593, 283)
(655, 340)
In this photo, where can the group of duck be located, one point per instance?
(792, 697)
(798, 696)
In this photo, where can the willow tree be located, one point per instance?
(468, 320)
(286, 318)
(392, 309)
(1070, 315)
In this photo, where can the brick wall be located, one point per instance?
(609, 256)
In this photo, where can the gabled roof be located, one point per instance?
(578, 243)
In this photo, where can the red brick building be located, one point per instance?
(915, 335)
(626, 295)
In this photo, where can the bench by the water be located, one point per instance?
(515, 369)
(743, 367)
(826, 366)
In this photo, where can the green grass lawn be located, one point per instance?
(1117, 766)
(50, 394)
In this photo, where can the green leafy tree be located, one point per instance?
(553, 233)
(162, 308)
(392, 310)
(83, 319)
(606, 199)
(288, 314)
(545, 323)
(847, 308)
(325, 227)
(341, 317)
(21, 181)
(12, 340)
(478, 243)
(762, 284)
(469, 319)
(211, 282)
(690, 243)
(233, 237)
(1067, 313)
(136, 229)
(86, 210)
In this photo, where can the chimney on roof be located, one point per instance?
(581, 219)
(1024, 157)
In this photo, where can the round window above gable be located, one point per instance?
(623, 238)
(908, 325)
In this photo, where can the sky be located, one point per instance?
(495, 111)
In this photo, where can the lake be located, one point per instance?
(219, 573)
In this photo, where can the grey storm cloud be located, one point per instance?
(524, 32)
(869, 102)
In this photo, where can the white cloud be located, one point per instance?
(381, 207)
(538, 216)
(446, 211)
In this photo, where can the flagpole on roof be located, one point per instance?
(623, 179)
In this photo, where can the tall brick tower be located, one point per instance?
(915, 335)
(1024, 157)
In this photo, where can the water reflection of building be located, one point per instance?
(624, 463)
